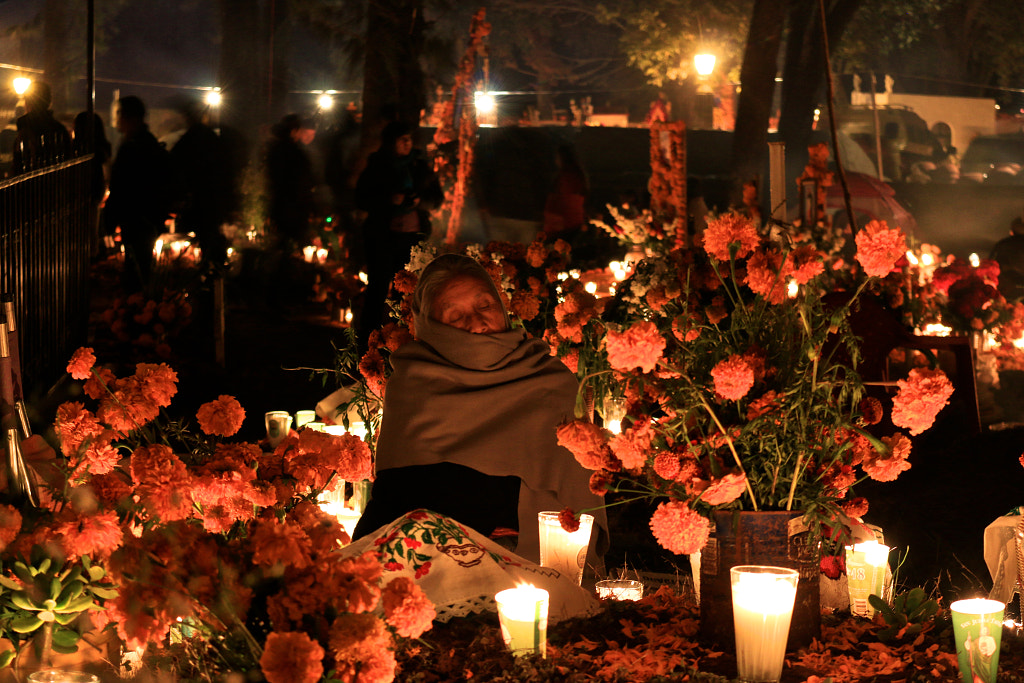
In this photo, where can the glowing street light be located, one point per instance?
(213, 97)
(325, 102)
(21, 85)
(484, 102)
(704, 63)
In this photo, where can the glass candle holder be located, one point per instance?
(978, 631)
(865, 575)
(523, 613)
(620, 589)
(56, 676)
(279, 422)
(561, 550)
(304, 417)
(613, 410)
(762, 606)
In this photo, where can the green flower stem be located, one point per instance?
(732, 448)
(796, 477)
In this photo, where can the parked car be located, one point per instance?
(904, 136)
(996, 159)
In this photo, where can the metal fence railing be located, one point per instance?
(45, 242)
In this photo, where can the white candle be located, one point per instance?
(762, 606)
(561, 550)
(523, 613)
(307, 253)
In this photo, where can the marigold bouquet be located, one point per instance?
(222, 560)
(739, 370)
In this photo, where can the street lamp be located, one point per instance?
(21, 85)
(704, 63)
(213, 97)
(325, 102)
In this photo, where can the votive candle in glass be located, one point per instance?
(865, 575)
(762, 606)
(523, 613)
(561, 550)
(620, 589)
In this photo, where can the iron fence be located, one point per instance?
(45, 241)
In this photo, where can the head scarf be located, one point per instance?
(487, 401)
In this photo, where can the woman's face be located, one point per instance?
(469, 304)
(403, 145)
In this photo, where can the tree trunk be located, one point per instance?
(393, 82)
(242, 68)
(757, 78)
(55, 62)
(804, 74)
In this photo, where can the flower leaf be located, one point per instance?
(26, 624)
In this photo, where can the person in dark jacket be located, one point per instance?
(41, 139)
(91, 138)
(203, 179)
(140, 189)
(1009, 254)
(397, 189)
(290, 183)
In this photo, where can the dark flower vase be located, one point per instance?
(777, 539)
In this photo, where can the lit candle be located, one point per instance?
(865, 575)
(307, 253)
(304, 417)
(561, 550)
(591, 287)
(620, 589)
(523, 613)
(55, 676)
(762, 606)
(321, 255)
(613, 410)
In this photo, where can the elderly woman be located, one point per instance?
(470, 415)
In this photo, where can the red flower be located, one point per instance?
(407, 608)
(833, 566)
(601, 479)
(393, 566)
(567, 518)
(422, 570)
(870, 409)
(640, 346)
(372, 368)
(275, 542)
(920, 398)
(96, 535)
(291, 657)
(726, 231)
(666, 465)
(81, 363)
(879, 248)
(525, 305)
(678, 528)
(805, 264)
(222, 417)
(733, 377)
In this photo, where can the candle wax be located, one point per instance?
(762, 607)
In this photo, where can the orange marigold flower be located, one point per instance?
(221, 417)
(640, 346)
(724, 490)
(716, 312)
(728, 230)
(768, 402)
(633, 445)
(571, 359)
(766, 275)
(354, 637)
(98, 457)
(291, 657)
(919, 399)
(888, 466)
(162, 482)
(678, 528)
(525, 305)
(358, 589)
(567, 518)
(76, 426)
(158, 382)
(858, 507)
(80, 365)
(96, 535)
(405, 282)
(372, 368)
(99, 383)
(733, 377)
(585, 440)
(805, 264)
(407, 608)
(536, 254)
(274, 542)
(394, 336)
(666, 465)
(879, 248)
(10, 525)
